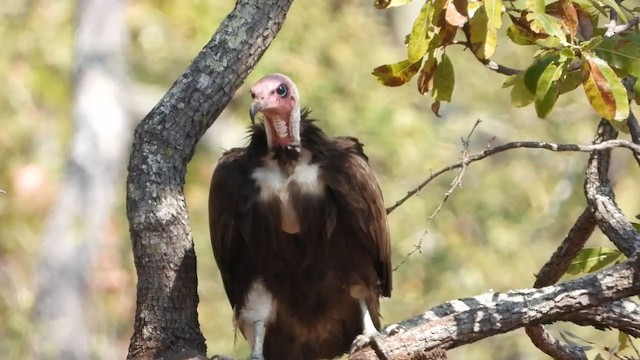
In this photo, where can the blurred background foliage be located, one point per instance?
(494, 233)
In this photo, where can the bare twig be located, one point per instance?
(456, 183)
(516, 145)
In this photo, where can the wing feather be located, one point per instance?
(229, 198)
(360, 199)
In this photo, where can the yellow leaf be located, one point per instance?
(397, 74)
(419, 37)
(483, 36)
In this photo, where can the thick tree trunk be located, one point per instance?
(96, 160)
(166, 320)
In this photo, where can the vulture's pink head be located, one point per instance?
(276, 98)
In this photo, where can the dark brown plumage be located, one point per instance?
(300, 236)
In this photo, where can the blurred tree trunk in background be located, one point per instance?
(78, 218)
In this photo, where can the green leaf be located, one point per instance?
(591, 44)
(623, 340)
(636, 93)
(443, 80)
(566, 54)
(483, 36)
(621, 52)
(520, 95)
(511, 80)
(537, 6)
(605, 91)
(636, 225)
(570, 81)
(494, 10)
(383, 4)
(614, 5)
(592, 259)
(547, 90)
(520, 36)
(419, 38)
(532, 74)
(543, 23)
(397, 74)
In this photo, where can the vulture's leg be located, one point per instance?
(367, 323)
(258, 340)
(369, 332)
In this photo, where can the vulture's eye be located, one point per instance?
(282, 90)
(253, 95)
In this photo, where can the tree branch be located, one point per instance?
(634, 130)
(616, 29)
(465, 321)
(500, 69)
(601, 197)
(623, 315)
(516, 145)
(550, 273)
(166, 317)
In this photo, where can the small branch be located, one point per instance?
(613, 29)
(601, 197)
(550, 273)
(488, 63)
(500, 69)
(634, 129)
(516, 145)
(581, 231)
(456, 183)
(465, 321)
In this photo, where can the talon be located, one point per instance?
(393, 329)
(361, 341)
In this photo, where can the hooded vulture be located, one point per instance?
(299, 233)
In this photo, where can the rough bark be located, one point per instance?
(464, 321)
(623, 315)
(77, 220)
(166, 321)
(601, 198)
(550, 273)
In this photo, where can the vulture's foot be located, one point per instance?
(373, 339)
(362, 341)
(222, 357)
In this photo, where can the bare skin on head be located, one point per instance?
(277, 98)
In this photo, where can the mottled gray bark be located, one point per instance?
(77, 220)
(166, 321)
(601, 198)
(464, 321)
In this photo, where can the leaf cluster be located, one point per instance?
(575, 47)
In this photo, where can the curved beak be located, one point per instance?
(254, 110)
